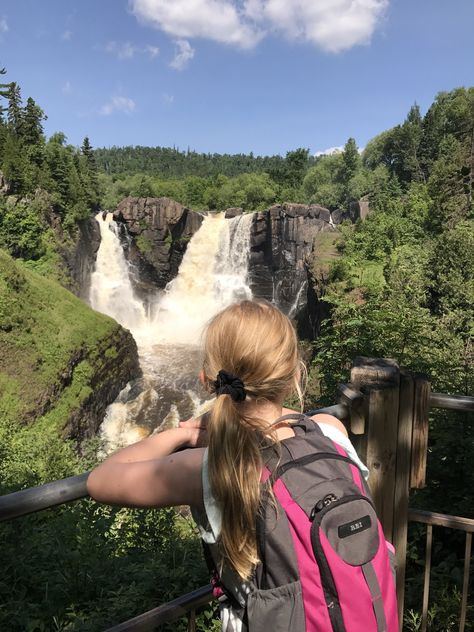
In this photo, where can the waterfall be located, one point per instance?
(111, 291)
(212, 274)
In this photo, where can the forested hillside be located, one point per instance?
(403, 287)
(47, 187)
(173, 163)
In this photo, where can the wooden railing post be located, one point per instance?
(393, 444)
(402, 488)
(386, 447)
(379, 380)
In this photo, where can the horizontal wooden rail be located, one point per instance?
(167, 612)
(432, 519)
(441, 520)
(452, 402)
(43, 497)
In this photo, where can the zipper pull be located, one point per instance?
(319, 506)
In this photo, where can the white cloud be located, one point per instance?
(330, 151)
(218, 20)
(4, 25)
(67, 88)
(184, 53)
(153, 51)
(121, 50)
(331, 25)
(66, 36)
(126, 50)
(118, 104)
(168, 99)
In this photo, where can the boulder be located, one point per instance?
(359, 209)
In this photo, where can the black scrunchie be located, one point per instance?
(228, 384)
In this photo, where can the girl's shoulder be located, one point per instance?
(323, 419)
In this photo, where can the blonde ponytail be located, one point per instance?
(234, 473)
(256, 342)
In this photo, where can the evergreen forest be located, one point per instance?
(398, 284)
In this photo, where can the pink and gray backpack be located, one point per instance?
(324, 563)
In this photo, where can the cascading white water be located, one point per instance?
(213, 274)
(111, 291)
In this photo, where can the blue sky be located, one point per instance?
(234, 75)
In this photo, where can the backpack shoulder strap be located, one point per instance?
(302, 423)
(308, 436)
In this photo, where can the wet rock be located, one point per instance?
(233, 212)
(157, 231)
(281, 247)
(84, 256)
(114, 364)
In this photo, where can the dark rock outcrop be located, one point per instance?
(281, 248)
(233, 212)
(83, 256)
(160, 229)
(359, 209)
(115, 363)
(64, 363)
(4, 185)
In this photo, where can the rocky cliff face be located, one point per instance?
(76, 247)
(81, 258)
(160, 229)
(114, 363)
(156, 232)
(62, 363)
(281, 249)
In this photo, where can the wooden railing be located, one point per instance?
(432, 519)
(386, 411)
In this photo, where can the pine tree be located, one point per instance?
(31, 127)
(4, 88)
(14, 116)
(89, 175)
(296, 166)
(88, 152)
(351, 161)
(14, 165)
(407, 138)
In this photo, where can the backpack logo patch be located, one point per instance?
(355, 526)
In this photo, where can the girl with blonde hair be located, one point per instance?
(251, 363)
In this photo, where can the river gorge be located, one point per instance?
(167, 328)
(162, 272)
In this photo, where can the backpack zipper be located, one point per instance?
(327, 579)
(335, 503)
(309, 458)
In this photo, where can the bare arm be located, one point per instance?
(155, 446)
(150, 474)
